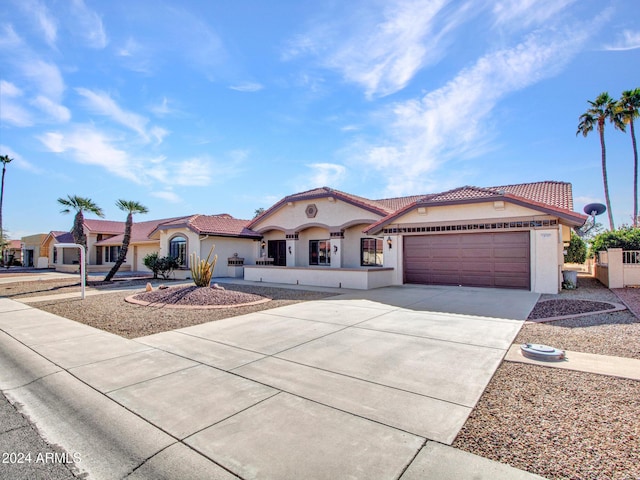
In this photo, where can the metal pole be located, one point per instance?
(82, 263)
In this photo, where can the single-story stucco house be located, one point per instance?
(178, 237)
(511, 236)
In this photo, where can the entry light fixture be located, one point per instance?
(389, 242)
(263, 244)
(335, 249)
(289, 249)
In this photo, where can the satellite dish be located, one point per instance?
(592, 210)
(595, 209)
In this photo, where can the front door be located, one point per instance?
(277, 249)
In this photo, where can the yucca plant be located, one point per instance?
(202, 270)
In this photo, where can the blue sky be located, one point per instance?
(225, 107)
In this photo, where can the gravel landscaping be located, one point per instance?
(563, 424)
(615, 333)
(196, 297)
(558, 424)
(111, 313)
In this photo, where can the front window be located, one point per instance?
(178, 250)
(371, 252)
(319, 252)
(111, 253)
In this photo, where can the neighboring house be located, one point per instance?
(31, 251)
(198, 233)
(178, 237)
(511, 236)
(66, 259)
(13, 252)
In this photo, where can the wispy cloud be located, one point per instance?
(12, 112)
(382, 49)
(101, 103)
(55, 111)
(322, 175)
(167, 195)
(519, 14)
(247, 87)
(19, 160)
(453, 122)
(627, 40)
(88, 25)
(44, 20)
(87, 145)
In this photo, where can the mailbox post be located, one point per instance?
(82, 261)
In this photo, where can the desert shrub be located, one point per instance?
(576, 251)
(627, 238)
(163, 266)
(202, 270)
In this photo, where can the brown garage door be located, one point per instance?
(473, 259)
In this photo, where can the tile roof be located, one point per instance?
(140, 232)
(103, 226)
(222, 224)
(15, 244)
(557, 194)
(552, 196)
(395, 204)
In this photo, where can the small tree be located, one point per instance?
(576, 251)
(160, 265)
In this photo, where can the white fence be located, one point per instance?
(617, 268)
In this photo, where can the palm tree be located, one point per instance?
(131, 207)
(601, 110)
(4, 159)
(629, 105)
(80, 205)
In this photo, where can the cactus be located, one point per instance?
(202, 270)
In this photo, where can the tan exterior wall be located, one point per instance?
(546, 260)
(472, 212)
(330, 213)
(225, 248)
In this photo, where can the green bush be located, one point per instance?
(576, 251)
(160, 265)
(627, 238)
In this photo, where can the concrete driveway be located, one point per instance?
(353, 386)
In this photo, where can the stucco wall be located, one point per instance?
(330, 213)
(225, 248)
(143, 251)
(546, 260)
(357, 278)
(474, 212)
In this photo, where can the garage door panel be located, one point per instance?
(480, 259)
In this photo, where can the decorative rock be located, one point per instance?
(217, 287)
(149, 288)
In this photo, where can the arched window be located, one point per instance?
(178, 249)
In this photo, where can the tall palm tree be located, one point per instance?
(629, 105)
(79, 205)
(4, 159)
(601, 110)
(131, 207)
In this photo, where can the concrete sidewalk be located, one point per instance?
(366, 387)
